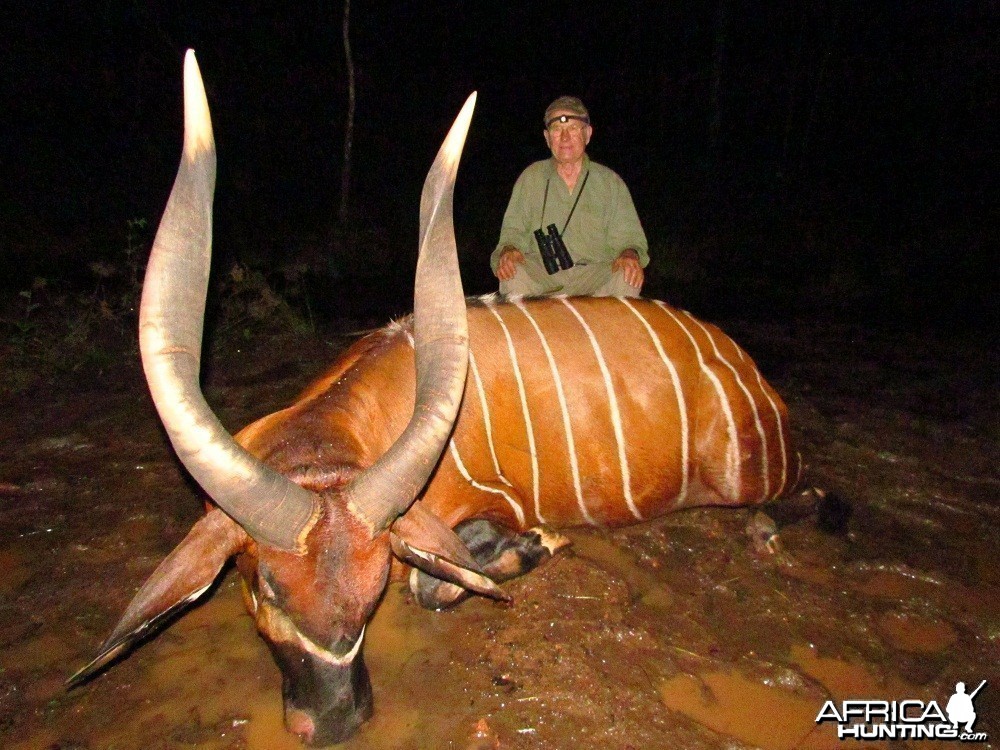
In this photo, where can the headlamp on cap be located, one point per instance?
(566, 118)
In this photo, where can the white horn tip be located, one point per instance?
(197, 121)
(452, 147)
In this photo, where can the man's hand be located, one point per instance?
(507, 266)
(628, 264)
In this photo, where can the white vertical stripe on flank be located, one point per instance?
(561, 396)
(616, 421)
(765, 472)
(779, 423)
(486, 417)
(524, 410)
(779, 427)
(518, 511)
(681, 406)
(732, 455)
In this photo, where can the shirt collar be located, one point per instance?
(584, 168)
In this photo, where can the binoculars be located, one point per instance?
(555, 256)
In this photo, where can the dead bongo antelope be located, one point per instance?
(575, 411)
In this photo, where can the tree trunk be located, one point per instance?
(345, 176)
(715, 92)
(824, 66)
(794, 77)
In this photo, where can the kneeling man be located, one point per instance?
(570, 227)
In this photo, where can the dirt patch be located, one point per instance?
(674, 633)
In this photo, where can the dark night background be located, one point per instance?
(830, 158)
(818, 177)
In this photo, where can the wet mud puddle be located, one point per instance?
(209, 682)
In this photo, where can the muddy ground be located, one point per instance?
(675, 633)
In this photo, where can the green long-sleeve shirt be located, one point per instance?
(603, 225)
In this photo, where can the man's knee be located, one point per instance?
(517, 286)
(616, 286)
(530, 279)
(627, 290)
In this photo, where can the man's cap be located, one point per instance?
(567, 104)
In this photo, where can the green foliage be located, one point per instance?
(59, 330)
(248, 304)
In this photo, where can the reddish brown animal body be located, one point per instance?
(418, 445)
(580, 411)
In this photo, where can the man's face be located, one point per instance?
(568, 140)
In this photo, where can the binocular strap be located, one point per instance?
(545, 199)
